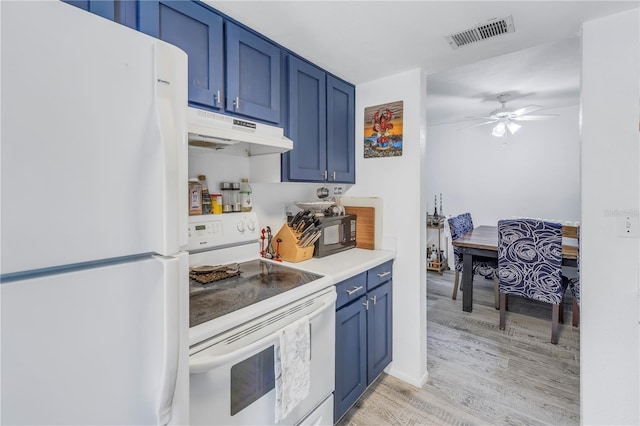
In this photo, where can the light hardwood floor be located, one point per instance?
(479, 374)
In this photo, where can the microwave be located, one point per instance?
(338, 234)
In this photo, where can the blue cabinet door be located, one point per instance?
(104, 8)
(253, 75)
(307, 123)
(121, 11)
(351, 356)
(340, 131)
(199, 32)
(379, 327)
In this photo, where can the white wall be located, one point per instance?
(398, 180)
(610, 355)
(536, 174)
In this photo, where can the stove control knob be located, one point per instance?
(251, 225)
(240, 227)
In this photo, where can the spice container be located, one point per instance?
(216, 203)
(195, 197)
(235, 196)
(227, 202)
(206, 198)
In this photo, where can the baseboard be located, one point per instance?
(417, 382)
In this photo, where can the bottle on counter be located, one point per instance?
(235, 196)
(216, 203)
(206, 197)
(245, 196)
(195, 197)
(227, 202)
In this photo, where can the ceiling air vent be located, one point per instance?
(483, 31)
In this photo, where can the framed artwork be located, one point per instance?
(383, 130)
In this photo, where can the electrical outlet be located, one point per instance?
(629, 226)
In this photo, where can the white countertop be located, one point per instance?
(343, 265)
(334, 268)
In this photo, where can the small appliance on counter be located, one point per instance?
(338, 233)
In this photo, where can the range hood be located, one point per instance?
(233, 135)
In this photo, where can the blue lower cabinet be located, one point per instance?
(378, 330)
(363, 334)
(351, 355)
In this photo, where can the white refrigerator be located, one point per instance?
(94, 282)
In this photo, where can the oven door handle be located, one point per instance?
(206, 363)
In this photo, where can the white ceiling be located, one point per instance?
(361, 41)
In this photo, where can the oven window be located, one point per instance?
(251, 378)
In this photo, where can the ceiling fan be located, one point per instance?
(505, 119)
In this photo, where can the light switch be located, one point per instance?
(628, 226)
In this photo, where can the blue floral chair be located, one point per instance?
(530, 265)
(574, 286)
(458, 226)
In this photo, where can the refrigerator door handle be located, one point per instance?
(172, 272)
(171, 116)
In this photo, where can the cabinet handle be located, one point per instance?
(236, 103)
(366, 304)
(325, 175)
(334, 175)
(353, 290)
(217, 98)
(374, 298)
(384, 274)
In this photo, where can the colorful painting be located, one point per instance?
(383, 130)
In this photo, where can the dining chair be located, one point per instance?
(485, 267)
(574, 286)
(530, 265)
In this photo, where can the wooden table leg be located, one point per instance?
(467, 281)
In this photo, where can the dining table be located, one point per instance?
(482, 241)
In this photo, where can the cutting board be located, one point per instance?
(365, 226)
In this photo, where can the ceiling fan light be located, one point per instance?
(499, 130)
(513, 127)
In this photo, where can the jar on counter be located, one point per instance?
(195, 197)
(227, 201)
(206, 197)
(235, 196)
(216, 203)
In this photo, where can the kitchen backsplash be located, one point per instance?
(271, 201)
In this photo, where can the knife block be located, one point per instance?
(289, 249)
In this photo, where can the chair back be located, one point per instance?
(530, 259)
(458, 226)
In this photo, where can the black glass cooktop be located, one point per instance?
(258, 280)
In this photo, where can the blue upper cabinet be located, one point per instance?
(122, 11)
(104, 8)
(253, 75)
(307, 123)
(341, 157)
(199, 32)
(321, 125)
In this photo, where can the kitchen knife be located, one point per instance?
(295, 219)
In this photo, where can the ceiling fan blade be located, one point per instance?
(526, 110)
(478, 117)
(535, 117)
(481, 124)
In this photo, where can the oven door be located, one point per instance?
(232, 375)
